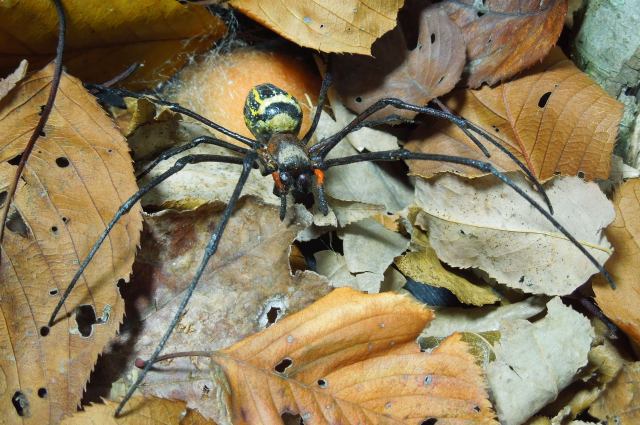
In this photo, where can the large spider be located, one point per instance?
(274, 117)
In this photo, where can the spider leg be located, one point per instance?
(129, 203)
(322, 148)
(192, 144)
(322, 199)
(212, 246)
(322, 98)
(398, 154)
(101, 89)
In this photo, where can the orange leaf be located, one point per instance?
(352, 358)
(505, 37)
(77, 176)
(554, 119)
(622, 305)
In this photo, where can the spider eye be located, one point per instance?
(269, 110)
(285, 177)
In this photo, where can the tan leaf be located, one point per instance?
(105, 38)
(620, 401)
(76, 178)
(348, 26)
(416, 76)
(140, 411)
(351, 358)
(622, 305)
(554, 119)
(505, 37)
(499, 232)
(10, 81)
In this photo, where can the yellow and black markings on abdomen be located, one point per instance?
(269, 110)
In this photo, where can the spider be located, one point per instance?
(274, 117)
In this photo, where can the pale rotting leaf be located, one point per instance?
(417, 75)
(352, 357)
(76, 178)
(105, 38)
(505, 37)
(344, 26)
(620, 401)
(497, 231)
(535, 361)
(554, 119)
(10, 81)
(622, 305)
(334, 267)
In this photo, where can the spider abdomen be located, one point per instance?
(270, 110)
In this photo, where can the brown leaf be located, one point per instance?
(429, 70)
(620, 402)
(76, 178)
(622, 305)
(348, 26)
(140, 411)
(352, 358)
(504, 37)
(554, 119)
(105, 38)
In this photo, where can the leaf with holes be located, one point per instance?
(554, 119)
(343, 26)
(416, 76)
(105, 38)
(352, 358)
(622, 305)
(505, 37)
(76, 178)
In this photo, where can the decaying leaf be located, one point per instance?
(140, 411)
(622, 305)
(334, 267)
(246, 287)
(105, 38)
(485, 224)
(346, 26)
(76, 178)
(620, 401)
(535, 361)
(9, 82)
(417, 75)
(554, 119)
(505, 37)
(352, 358)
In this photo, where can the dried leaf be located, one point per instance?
(554, 119)
(348, 26)
(140, 411)
(351, 357)
(105, 38)
(622, 304)
(496, 230)
(620, 401)
(334, 267)
(535, 361)
(505, 37)
(76, 178)
(8, 83)
(416, 75)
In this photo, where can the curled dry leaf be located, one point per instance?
(535, 361)
(620, 401)
(505, 37)
(347, 26)
(499, 232)
(76, 178)
(9, 82)
(140, 411)
(105, 38)
(622, 305)
(352, 358)
(554, 119)
(416, 75)
(246, 287)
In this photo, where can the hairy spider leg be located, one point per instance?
(192, 144)
(99, 88)
(322, 148)
(403, 154)
(212, 247)
(44, 115)
(322, 199)
(126, 207)
(322, 98)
